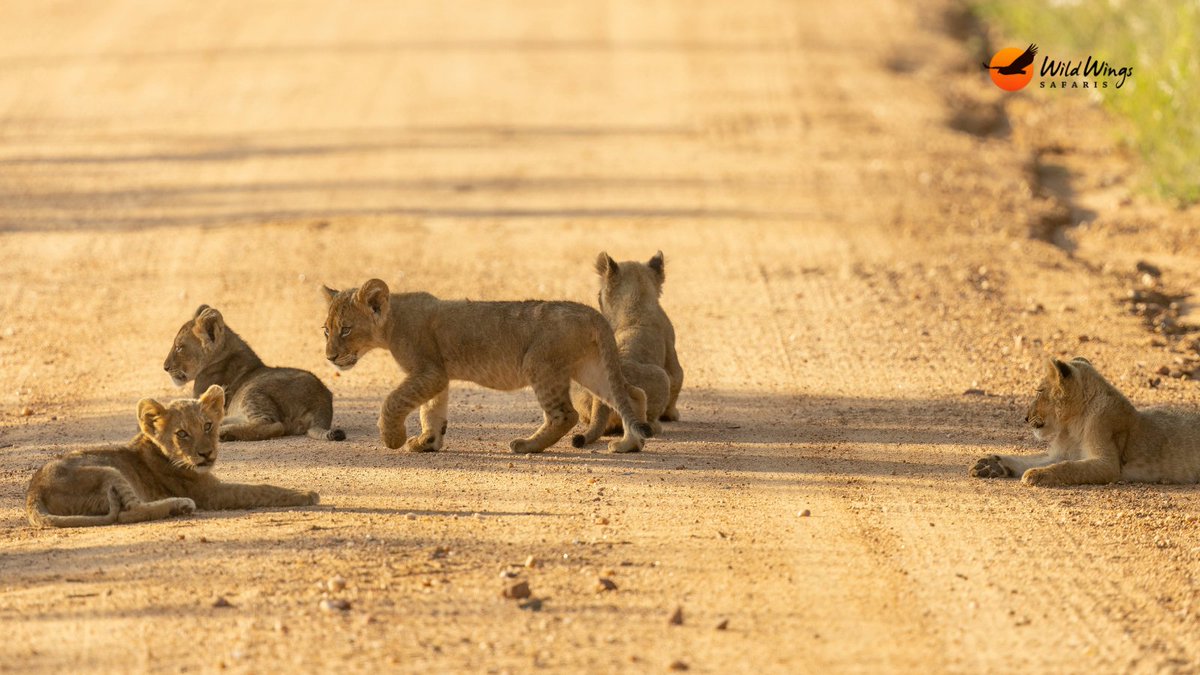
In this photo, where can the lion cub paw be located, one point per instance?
(621, 445)
(426, 442)
(523, 447)
(183, 506)
(989, 467)
(1040, 477)
(392, 437)
(313, 498)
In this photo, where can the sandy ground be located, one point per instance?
(844, 262)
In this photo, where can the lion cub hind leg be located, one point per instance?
(599, 414)
(595, 380)
(157, 510)
(87, 492)
(553, 391)
(252, 430)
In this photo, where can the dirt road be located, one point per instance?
(843, 264)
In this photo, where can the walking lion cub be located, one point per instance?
(500, 345)
(629, 293)
(164, 471)
(1097, 436)
(263, 402)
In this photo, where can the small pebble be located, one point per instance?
(221, 602)
(604, 584)
(723, 625)
(805, 513)
(676, 617)
(531, 562)
(678, 665)
(26, 411)
(334, 605)
(601, 521)
(336, 584)
(410, 516)
(517, 591)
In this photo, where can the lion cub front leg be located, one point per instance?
(433, 424)
(221, 496)
(412, 392)
(1009, 466)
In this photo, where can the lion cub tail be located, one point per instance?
(610, 361)
(322, 434)
(40, 517)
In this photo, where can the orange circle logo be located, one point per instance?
(1011, 68)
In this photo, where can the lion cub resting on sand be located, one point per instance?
(164, 471)
(263, 402)
(629, 293)
(1097, 436)
(501, 345)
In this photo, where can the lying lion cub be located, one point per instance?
(629, 293)
(263, 402)
(1097, 436)
(164, 471)
(501, 345)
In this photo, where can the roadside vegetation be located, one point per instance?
(1160, 39)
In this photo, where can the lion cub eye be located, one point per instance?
(183, 435)
(207, 427)
(327, 331)
(179, 349)
(345, 331)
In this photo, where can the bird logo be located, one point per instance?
(1011, 69)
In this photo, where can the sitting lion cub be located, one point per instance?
(629, 293)
(501, 345)
(164, 471)
(263, 402)
(1097, 436)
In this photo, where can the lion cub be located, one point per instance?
(164, 471)
(501, 345)
(629, 293)
(263, 402)
(1097, 436)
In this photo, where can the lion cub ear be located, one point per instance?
(212, 402)
(1057, 370)
(375, 296)
(209, 327)
(658, 266)
(329, 294)
(606, 266)
(199, 311)
(149, 412)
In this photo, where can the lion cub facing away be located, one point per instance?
(263, 402)
(500, 345)
(1097, 436)
(629, 293)
(164, 471)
